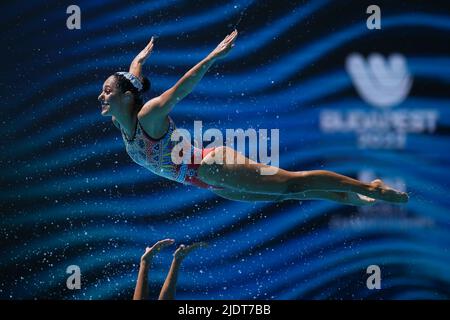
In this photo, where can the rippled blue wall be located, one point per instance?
(70, 194)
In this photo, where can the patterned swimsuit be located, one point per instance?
(155, 155)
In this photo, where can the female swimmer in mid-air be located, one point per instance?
(147, 129)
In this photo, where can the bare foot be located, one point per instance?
(183, 250)
(388, 194)
(151, 251)
(357, 199)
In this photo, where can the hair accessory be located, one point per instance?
(133, 79)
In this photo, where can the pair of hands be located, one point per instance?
(219, 52)
(181, 252)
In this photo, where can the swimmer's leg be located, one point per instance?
(242, 174)
(170, 284)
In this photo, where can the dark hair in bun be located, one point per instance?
(125, 85)
(146, 85)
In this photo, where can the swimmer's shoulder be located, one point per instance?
(153, 124)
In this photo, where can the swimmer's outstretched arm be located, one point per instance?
(161, 106)
(139, 60)
(141, 290)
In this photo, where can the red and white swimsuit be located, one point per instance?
(155, 155)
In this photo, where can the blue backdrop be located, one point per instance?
(70, 195)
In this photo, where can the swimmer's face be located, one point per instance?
(111, 97)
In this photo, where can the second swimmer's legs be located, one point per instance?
(169, 287)
(242, 174)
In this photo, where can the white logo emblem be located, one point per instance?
(379, 82)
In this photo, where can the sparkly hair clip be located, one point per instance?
(133, 79)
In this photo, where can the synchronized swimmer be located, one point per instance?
(147, 128)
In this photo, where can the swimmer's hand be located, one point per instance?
(224, 47)
(151, 251)
(145, 53)
(139, 60)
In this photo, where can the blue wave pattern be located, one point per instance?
(71, 196)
